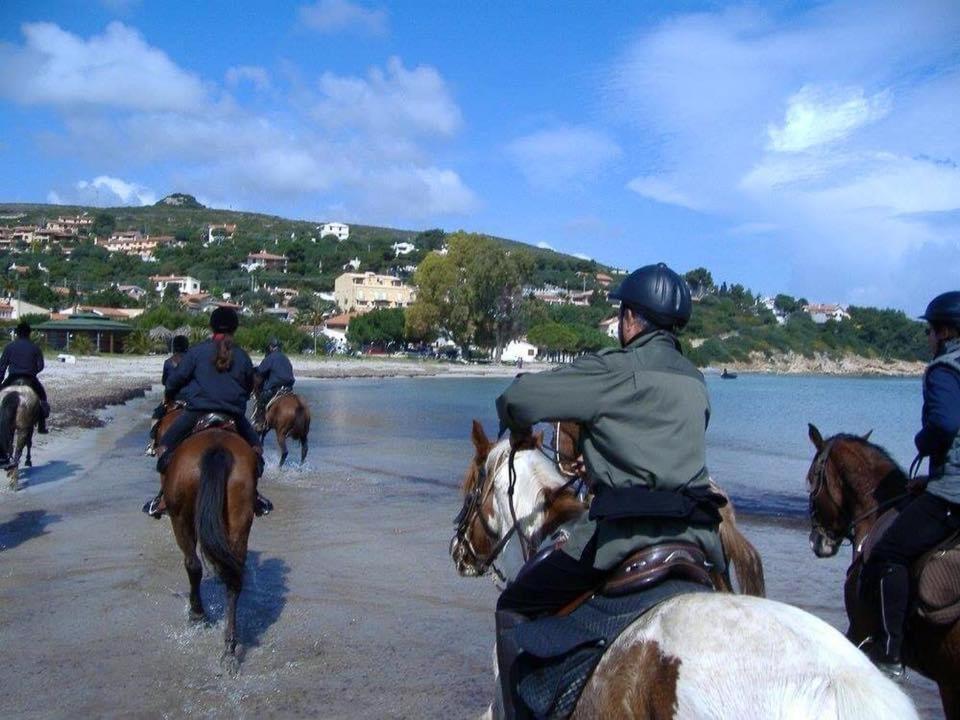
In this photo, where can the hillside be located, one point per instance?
(314, 261)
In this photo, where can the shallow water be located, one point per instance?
(351, 606)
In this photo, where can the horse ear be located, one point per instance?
(480, 440)
(815, 437)
(869, 433)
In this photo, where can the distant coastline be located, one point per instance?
(792, 363)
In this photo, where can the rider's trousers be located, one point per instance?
(551, 582)
(185, 423)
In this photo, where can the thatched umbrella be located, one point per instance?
(160, 333)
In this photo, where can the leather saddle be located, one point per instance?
(935, 575)
(215, 421)
(652, 565)
(285, 390)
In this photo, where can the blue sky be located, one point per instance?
(810, 148)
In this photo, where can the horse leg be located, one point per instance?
(282, 443)
(239, 532)
(303, 449)
(29, 462)
(185, 533)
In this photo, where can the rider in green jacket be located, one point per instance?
(643, 411)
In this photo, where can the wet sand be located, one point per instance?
(351, 606)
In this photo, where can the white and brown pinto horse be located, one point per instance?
(703, 655)
(19, 412)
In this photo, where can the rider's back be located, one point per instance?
(207, 388)
(22, 357)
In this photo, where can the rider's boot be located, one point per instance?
(261, 506)
(510, 706)
(42, 422)
(163, 458)
(894, 600)
(154, 508)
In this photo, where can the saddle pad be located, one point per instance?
(560, 653)
(938, 587)
(285, 390)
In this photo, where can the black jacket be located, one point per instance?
(207, 389)
(276, 371)
(21, 357)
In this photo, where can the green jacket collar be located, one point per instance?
(660, 336)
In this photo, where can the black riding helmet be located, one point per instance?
(180, 344)
(659, 294)
(23, 329)
(273, 344)
(224, 320)
(944, 309)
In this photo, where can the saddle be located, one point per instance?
(935, 575)
(285, 390)
(561, 651)
(216, 421)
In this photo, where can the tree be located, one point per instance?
(378, 327)
(103, 224)
(786, 304)
(701, 282)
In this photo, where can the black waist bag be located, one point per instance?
(698, 506)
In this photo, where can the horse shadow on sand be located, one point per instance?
(27, 525)
(261, 601)
(48, 472)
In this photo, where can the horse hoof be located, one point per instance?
(230, 663)
(198, 617)
(29, 463)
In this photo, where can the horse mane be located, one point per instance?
(889, 485)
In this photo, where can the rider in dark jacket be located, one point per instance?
(24, 361)
(218, 377)
(934, 514)
(180, 346)
(274, 373)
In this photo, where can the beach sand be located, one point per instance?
(351, 607)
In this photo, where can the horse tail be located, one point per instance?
(870, 695)
(746, 561)
(301, 421)
(215, 467)
(8, 420)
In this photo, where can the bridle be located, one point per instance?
(820, 482)
(472, 511)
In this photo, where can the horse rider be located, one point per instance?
(643, 409)
(218, 377)
(180, 346)
(24, 361)
(274, 374)
(933, 514)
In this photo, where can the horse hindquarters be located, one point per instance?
(226, 552)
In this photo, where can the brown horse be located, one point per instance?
(742, 554)
(288, 416)
(209, 489)
(851, 481)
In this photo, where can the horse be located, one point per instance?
(19, 412)
(288, 416)
(744, 557)
(716, 655)
(850, 482)
(209, 489)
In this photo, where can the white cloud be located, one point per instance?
(116, 69)
(820, 123)
(256, 76)
(103, 191)
(816, 116)
(370, 153)
(663, 191)
(544, 245)
(551, 158)
(582, 256)
(333, 16)
(394, 103)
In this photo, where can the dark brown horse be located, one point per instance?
(288, 416)
(209, 489)
(851, 482)
(742, 554)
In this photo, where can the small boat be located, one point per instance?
(728, 375)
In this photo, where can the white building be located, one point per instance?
(768, 303)
(519, 350)
(186, 285)
(402, 248)
(611, 327)
(339, 229)
(820, 313)
(13, 309)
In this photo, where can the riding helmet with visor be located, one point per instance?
(659, 294)
(944, 310)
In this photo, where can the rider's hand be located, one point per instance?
(917, 485)
(523, 439)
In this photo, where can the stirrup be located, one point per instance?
(261, 506)
(152, 508)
